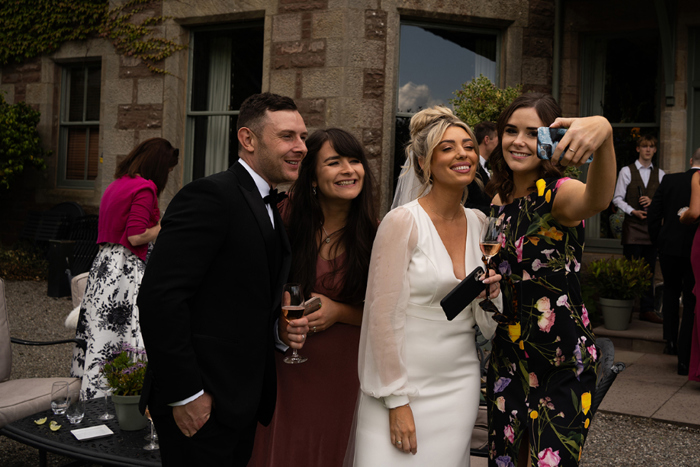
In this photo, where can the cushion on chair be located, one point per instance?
(20, 398)
(5, 347)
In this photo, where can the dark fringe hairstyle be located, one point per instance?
(502, 178)
(151, 159)
(306, 218)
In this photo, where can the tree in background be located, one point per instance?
(20, 144)
(480, 100)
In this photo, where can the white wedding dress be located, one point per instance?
(410, 353)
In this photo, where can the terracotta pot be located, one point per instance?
(128, 415)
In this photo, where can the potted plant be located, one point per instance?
(125, 372)
(617, 282)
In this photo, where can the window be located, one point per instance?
(79, 125)
(226, 68)
(434, 62)
(620, 82)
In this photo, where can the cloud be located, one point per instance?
(414, 97)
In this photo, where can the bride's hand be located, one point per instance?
(403, 429)
(494, 283)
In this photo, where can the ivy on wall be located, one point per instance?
(29, 28)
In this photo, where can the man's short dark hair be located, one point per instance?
(484, 129)
(254, 107)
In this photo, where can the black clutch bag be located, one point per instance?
(462, 295)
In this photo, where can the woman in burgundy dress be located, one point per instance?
(688, 217)
(331, 220)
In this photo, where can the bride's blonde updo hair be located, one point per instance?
(427, 128)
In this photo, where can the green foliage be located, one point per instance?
(481, 101)
(20, 145)
(619, 278)
(23, 263)
(29, 28)
(136, 39)
(125, 371)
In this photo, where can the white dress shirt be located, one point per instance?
(623, 181)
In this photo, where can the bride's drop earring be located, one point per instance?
(313, 188)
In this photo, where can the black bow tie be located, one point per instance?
(274, 197)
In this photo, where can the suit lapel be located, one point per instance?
(484, 173)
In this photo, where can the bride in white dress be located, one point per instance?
(419, 373)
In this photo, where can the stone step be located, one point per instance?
(640, 336)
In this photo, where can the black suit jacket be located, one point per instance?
(209, 299)
(665, 230)
(477, 199)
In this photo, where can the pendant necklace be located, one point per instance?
(328, 236)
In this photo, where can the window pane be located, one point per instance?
(434, 62)
(206, 130)
(631, 79)
(76, 94)
(82, 142)
(93, 94)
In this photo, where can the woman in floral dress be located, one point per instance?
(129, 221)
(542, 368)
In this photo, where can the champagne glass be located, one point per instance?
(152, 446)
(490, 242)
(293, 308)
(107, 391)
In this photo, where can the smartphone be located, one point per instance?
(311, 305)
(463, 294)
(547, 140)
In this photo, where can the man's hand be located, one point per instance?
(193, 415)
(645, 201)
(639, 214)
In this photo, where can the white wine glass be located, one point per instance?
(152, 437)
(293, 308)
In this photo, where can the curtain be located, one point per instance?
(485, 58)
(219, 97)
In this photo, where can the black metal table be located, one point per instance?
(123, 448)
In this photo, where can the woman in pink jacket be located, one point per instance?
(129, 221)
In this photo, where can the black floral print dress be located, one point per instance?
(542, 369)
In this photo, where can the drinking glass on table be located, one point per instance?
(490, 242)
(107, 391)
(152, 446)
(293, 308)
(76, 409)
(59, 397)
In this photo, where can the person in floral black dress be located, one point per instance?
(542, 369)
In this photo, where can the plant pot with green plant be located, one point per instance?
(125, 372)
(617, 282)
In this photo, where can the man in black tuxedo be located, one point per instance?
(487, 139)
(674, 242)
(211, 293)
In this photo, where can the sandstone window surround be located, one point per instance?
(226, 67)
(434, 61)
(78, 154)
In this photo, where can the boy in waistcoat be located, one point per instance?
(636, 185)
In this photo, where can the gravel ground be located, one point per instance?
(614, 440)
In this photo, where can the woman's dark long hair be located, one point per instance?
(306, 217)
(502, 178)
(151, 159)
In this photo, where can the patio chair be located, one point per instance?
(20, 398)
(607, 372)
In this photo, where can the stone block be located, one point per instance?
(683, 407)
(313, 111)
(38, 93)
(373, 83)
(130, 67)
(117, 142)
(538, 46)
(20, 92)
(536, 71)
(299, 54)
(624, 397)
(143, 135)
(335, 52)
(288, 6)
(375, 24)
(286, 28)
(322, 82)
(28, 71)
(328, 24)
(366, 54)
(150, 90)
(8, 92)
(140, 116)
(372, 141)
(283, 82)
(117, 91)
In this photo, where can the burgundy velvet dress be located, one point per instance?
(316, 399)
(694, 367)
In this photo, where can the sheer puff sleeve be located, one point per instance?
(382, 369)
